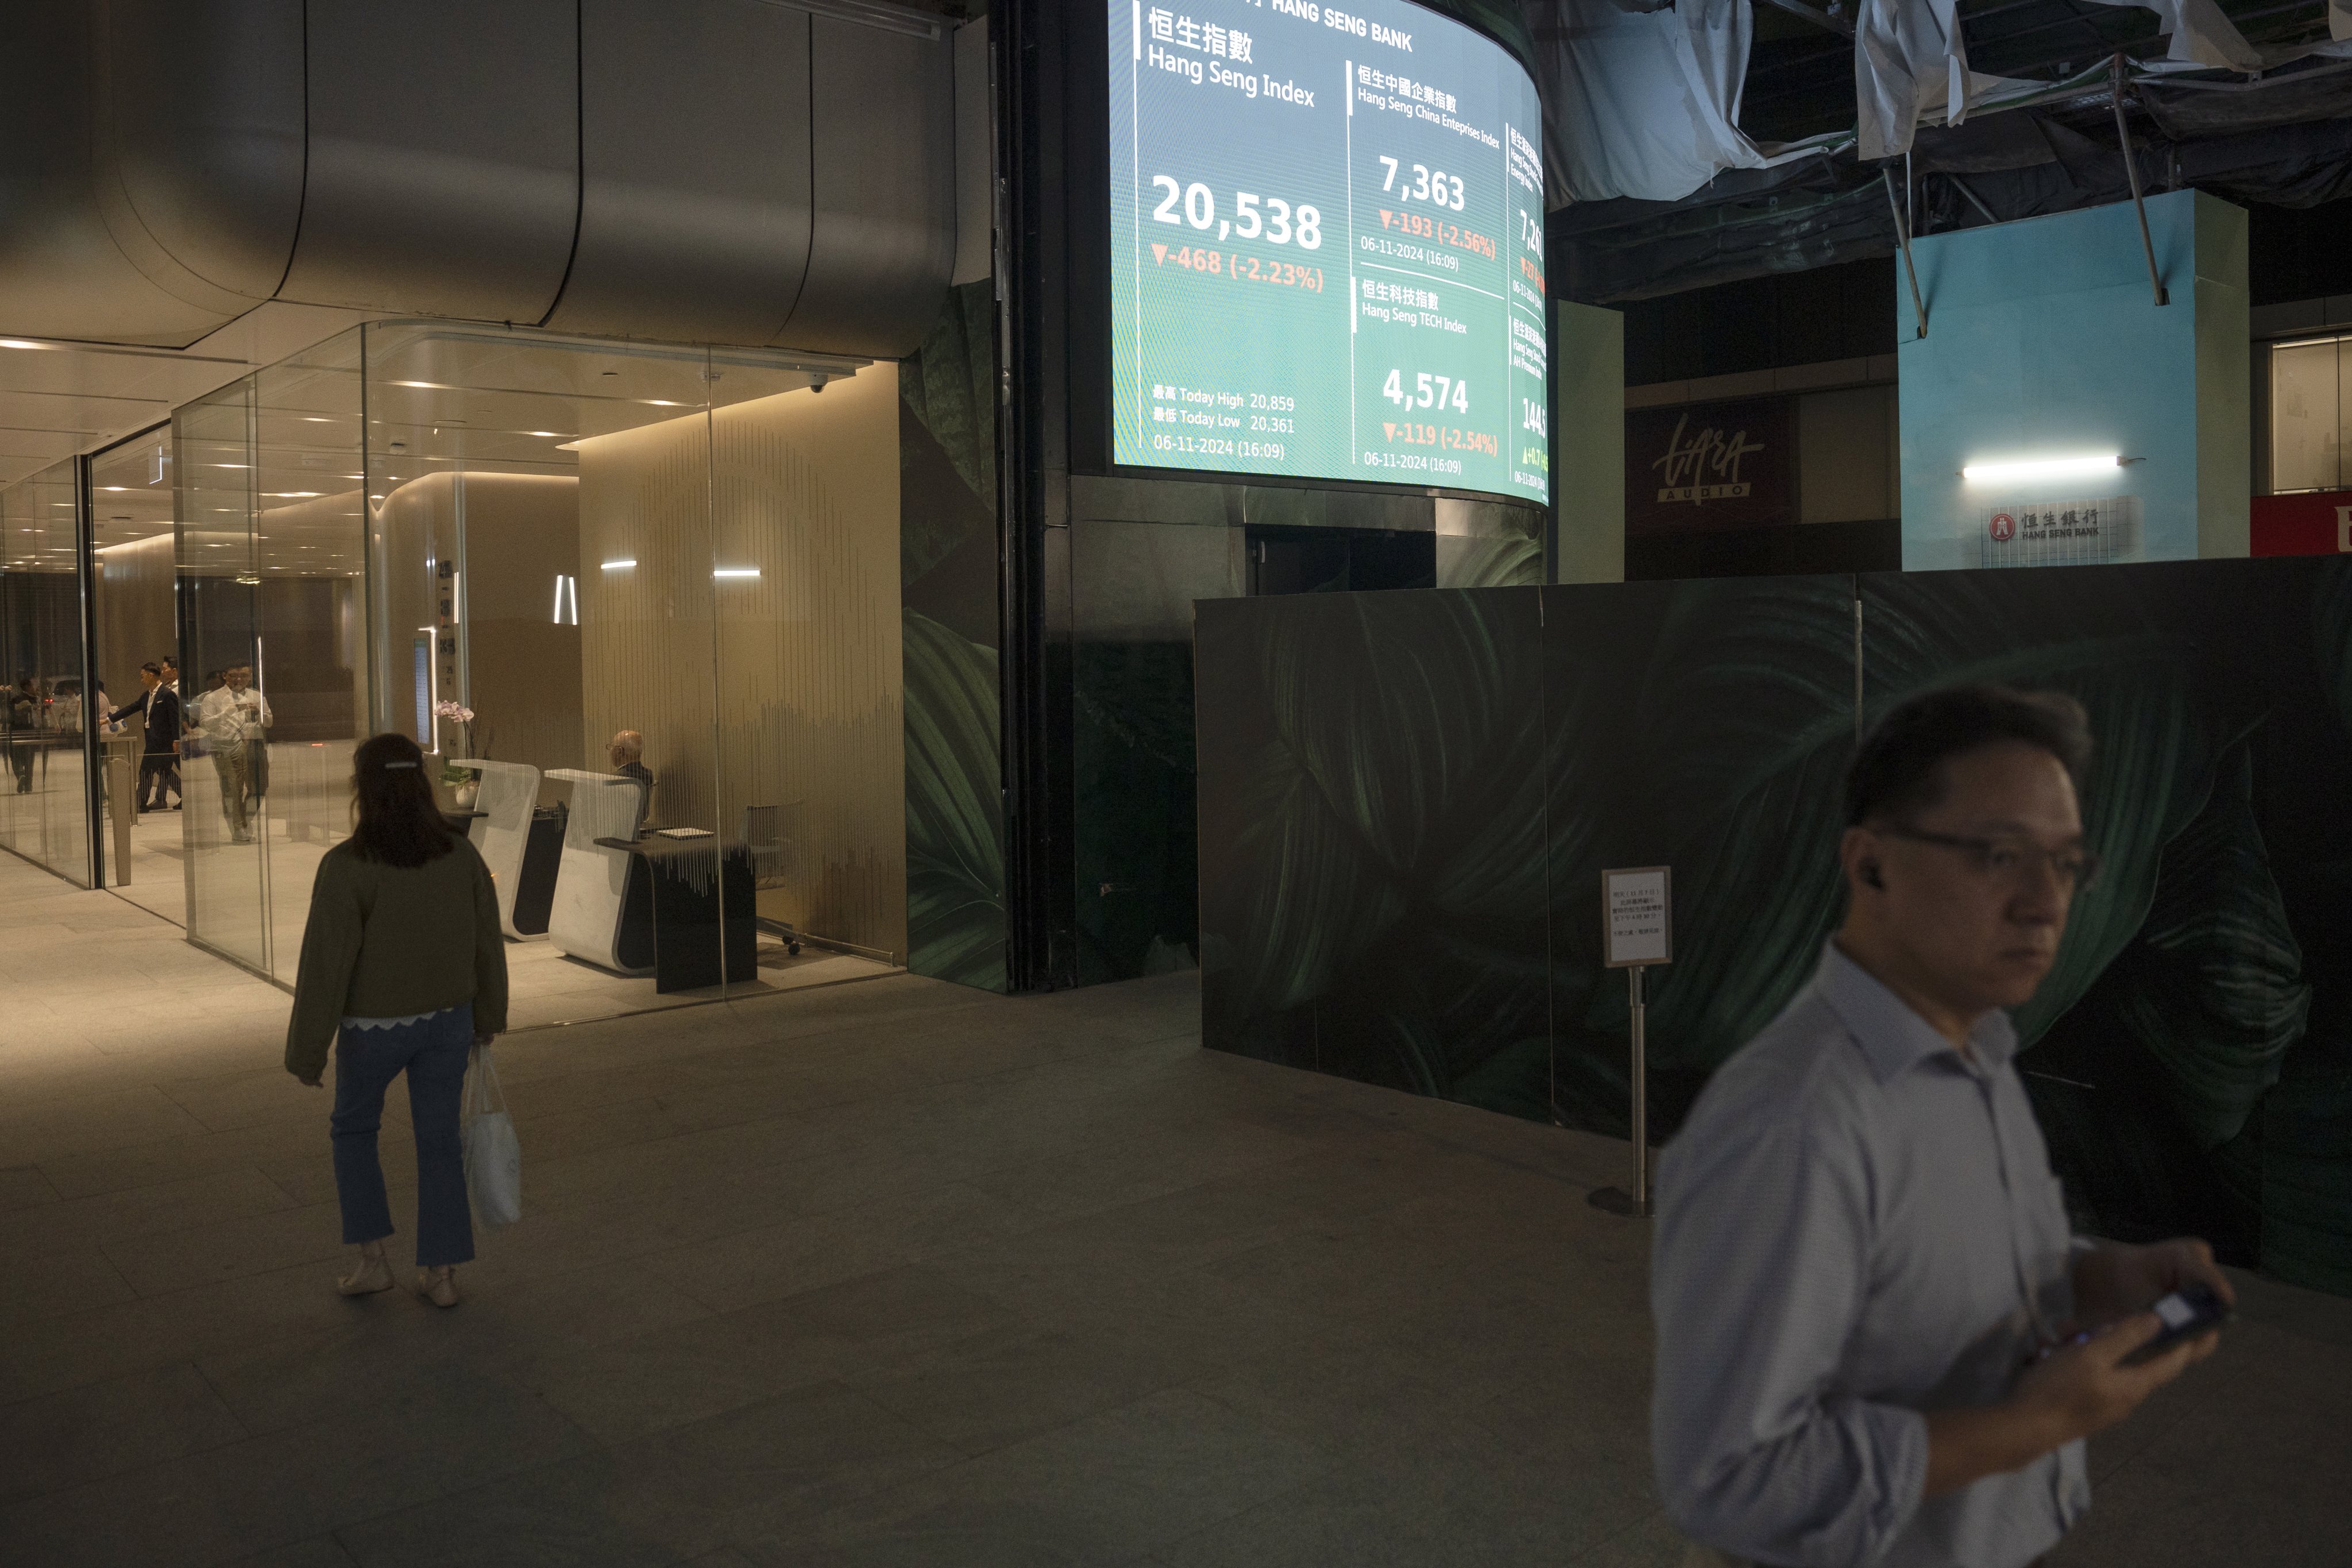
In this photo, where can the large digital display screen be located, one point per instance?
(1327, 245)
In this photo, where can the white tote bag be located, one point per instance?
(493, 1157)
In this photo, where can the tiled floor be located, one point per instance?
(887, 1273)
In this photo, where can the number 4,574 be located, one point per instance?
(1427, 391)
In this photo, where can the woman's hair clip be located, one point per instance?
(389, 766)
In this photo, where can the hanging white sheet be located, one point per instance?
(1644, 96)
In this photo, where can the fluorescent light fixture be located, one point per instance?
(115, 486)
(293, 495)
(551, 434)
(2026, 469)
(618, 566)
(20, 343)
(736, 571)
(661, 403)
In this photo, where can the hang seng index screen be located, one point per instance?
(1327, 245)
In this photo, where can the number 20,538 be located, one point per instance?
(1279, 223)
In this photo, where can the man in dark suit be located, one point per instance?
(161, 704)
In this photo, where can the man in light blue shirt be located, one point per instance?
(1862, 1278)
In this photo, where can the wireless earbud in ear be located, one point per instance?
(1870, 876)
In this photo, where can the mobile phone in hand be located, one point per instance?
(2187, 1312)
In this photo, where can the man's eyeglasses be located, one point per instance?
(2011, 859)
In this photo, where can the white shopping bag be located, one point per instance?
(493, 1157)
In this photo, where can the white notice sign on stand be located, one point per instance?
(1637, 916)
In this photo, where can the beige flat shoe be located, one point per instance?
(373, 1275)
(439, 1286)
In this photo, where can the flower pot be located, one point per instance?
(464, 795)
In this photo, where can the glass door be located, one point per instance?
(218, 606)
(134, 609)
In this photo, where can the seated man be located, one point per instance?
(628, 750)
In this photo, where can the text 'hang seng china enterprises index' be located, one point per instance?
(1327, 245)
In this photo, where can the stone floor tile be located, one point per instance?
(1107, 1490)
(102, 1429)
(887, 1272)
(57, 1284)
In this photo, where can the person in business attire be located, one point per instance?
(256, 751)
(1869, 1306)
(22, 706)
(158, 703)
(233, 720)
(403, 969)
(73, 710)
(628, 751)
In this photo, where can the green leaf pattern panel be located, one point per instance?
(1406, 800)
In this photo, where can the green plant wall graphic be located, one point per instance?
(1407, 799)
(947, 588)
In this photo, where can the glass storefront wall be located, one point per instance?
(632, 593)
(44, 793)
(134, 598)
(271, 604)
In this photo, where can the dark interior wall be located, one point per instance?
(1844, 311)
(2298, 253)
(1787, 549)
(310, 639)
(1399, 876)
(40, 625)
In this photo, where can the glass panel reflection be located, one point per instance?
(224, 718)
(309, 670)
(2307, 417)
(44, 793)
(134, 607)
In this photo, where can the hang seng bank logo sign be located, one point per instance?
(2059, 533)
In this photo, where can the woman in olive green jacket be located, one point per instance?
(403, 969)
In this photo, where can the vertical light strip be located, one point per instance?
(433, 685)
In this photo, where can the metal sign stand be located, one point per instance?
(1635, 1204)
(1637, 930)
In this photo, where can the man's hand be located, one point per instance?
(2086, 1388)
(2116, 1281)
(313, 1080)
(2072, 1393)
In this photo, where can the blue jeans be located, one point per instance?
(433, 1051)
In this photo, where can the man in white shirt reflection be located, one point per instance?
(233, 720)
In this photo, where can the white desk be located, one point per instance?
(509, 795)
(592, 882)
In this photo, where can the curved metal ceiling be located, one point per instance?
(717, 170)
